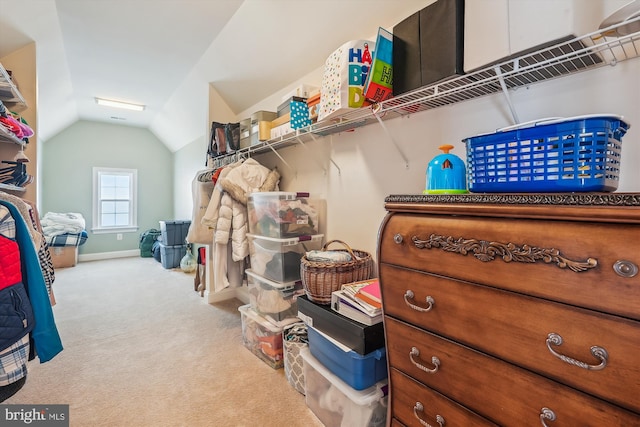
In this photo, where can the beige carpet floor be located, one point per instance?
(143, 349)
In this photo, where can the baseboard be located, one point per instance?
(108, 255)
(223, 295)
(240, 293)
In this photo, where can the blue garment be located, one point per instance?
(45, 333)
(16, 314)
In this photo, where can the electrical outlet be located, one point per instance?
(119, 236)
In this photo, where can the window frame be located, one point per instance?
(132, 226)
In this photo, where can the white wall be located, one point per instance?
(186, 162)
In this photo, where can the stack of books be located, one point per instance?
(359, 301)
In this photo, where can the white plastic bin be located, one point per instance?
(279, 259)
(282, 214)
(337, 404)
(274, 300)
(263, 338)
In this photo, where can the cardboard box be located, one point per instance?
(285, 107)
(280, 120)
(299, 111)
(280, 126)
(245, 133)
(261, 126)
(313, 102)
(64, 256)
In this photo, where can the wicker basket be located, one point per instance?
(320, 278)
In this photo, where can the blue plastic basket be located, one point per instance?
(558, 155)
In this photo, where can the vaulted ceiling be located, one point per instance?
(165, 53)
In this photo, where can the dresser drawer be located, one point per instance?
(457, 367)
(516, 328)
(571, 262)
(412, 403)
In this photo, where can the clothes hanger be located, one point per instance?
(21, 157)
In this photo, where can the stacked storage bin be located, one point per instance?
(346, 362)
(283, 226)
(173, 245)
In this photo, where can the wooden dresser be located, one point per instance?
(512, 309)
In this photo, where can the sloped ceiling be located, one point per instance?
(165, 53)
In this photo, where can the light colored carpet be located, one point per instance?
(143, 349)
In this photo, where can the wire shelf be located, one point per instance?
(12, 98)
(574, 55)
(9, 93)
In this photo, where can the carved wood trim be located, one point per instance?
(570, 199)
(488, 251)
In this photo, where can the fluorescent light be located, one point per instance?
(118, 104)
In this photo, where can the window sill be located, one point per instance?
(111, 230)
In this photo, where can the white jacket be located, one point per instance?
(227, 211)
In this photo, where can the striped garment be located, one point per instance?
(13, 361)
(66, 239)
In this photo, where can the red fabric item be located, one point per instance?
(202, 258)
(216, 174)
(11, 124)
(10, 272)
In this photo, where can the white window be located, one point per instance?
(115, 200)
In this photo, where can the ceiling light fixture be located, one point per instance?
(119, 104)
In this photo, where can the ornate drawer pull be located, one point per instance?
(509, 252)
(410, 295)
(419, 407)
(625, 268)
(597, 352)
(434, 360)
(547, 414)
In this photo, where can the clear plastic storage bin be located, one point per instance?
(279, 259)
(282, 214)
(274, 300)
(337, 404)
(263, 338)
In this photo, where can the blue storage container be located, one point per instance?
(560, 155)
(170, 256)
(358, 371)
(174, 232)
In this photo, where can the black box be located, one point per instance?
(428, 46)
(363, 339)
(406, 55)
(441, 40)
